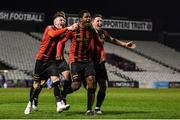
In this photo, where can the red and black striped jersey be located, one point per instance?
(51, 36)
(97, 49)
(61, 46)
(104, 35)
(80, 45)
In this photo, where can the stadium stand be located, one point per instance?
(155, 61)
(141, 61)
(18, 50)
(163, 54)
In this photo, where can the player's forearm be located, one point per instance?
(121, 43)
(116, 41)
(54, 33)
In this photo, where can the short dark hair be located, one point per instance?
(59, 14)
(97, 15)
(81, 13)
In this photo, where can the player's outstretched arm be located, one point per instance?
(129, 44)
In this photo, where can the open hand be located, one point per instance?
(130, 45)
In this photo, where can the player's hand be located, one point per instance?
(130, 45)
(73, 27)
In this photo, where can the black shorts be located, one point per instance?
(62, 66)
(81, 70)
(100, 72)
(43, 70)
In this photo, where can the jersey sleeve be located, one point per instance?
(54, 33)
(59, 48)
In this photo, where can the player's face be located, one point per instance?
(97, 23)
(86, 17)
(59, 22)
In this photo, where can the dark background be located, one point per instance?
(164, 14)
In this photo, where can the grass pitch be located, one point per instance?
(120, 103)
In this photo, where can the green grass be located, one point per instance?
(119, 104)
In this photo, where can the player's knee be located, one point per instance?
(66, 75)
(43, 82)
(36, 84)
(90, 82)
(75, 85)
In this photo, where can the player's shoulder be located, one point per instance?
(49, 27)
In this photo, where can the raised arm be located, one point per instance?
(53, 33)
(129, 44)
(110, 39)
